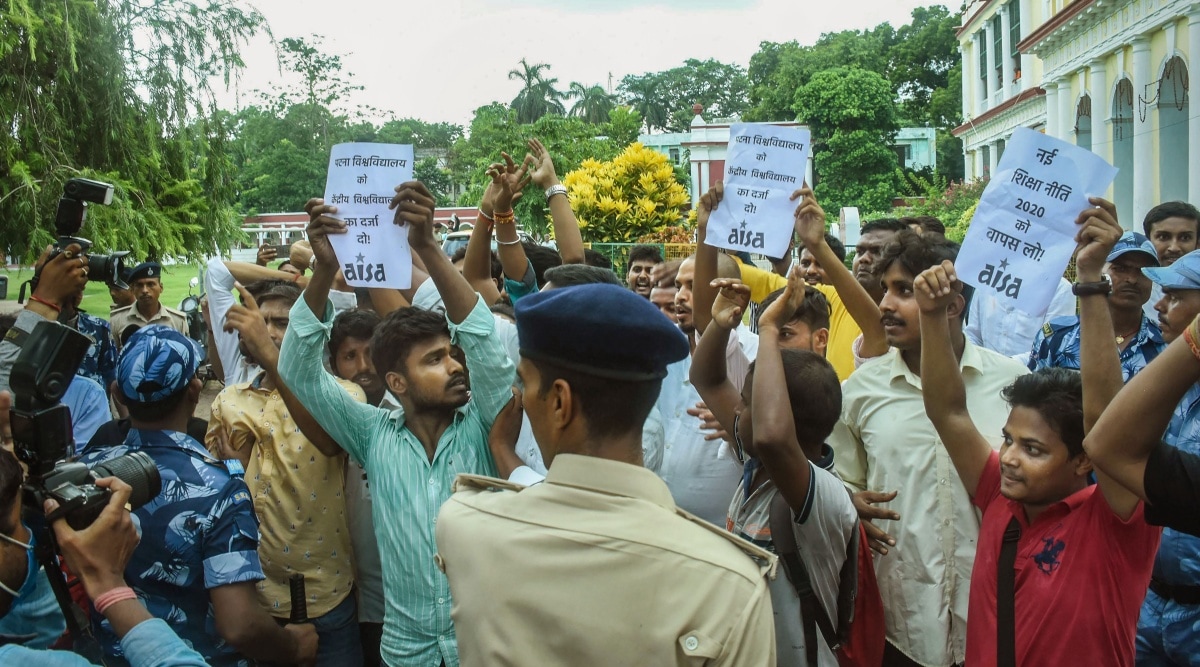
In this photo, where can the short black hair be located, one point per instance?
(354, 323)
(497, 267)
(1057, 395)
(645, 253)
(917, 252)
(288, 262)
(884, 224)
(814, 312)
(156, 410)
(505, 309)
(1171, 209)
(569, 275)
(275, 290)
(597, 259)
(814, 392)
(612, 408)
(835, 244)
(127, 332)
(541, 258)
(931, 225)
(396, 335)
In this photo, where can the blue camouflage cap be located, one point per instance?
(1184, 274)
(1133, 242)
(157, 362)
(601, 330)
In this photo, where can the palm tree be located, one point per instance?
(538, 96)
(592, 102)
(642, 93)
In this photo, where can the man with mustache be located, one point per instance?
(296, 474)
(1172, 227)
(145, 282)
(1138, 337)
(885, 443)
(641, 262)
(811, 269)
(1170, 610)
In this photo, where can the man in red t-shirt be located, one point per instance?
(1085, 552)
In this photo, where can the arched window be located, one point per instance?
(1083, 123)
(1122, 138)
(1173, 131)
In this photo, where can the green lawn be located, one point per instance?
(95, 297)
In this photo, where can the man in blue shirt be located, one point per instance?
(1139, 339)
(197, 563)
(1165, 634)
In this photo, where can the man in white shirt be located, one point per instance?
(888, 452)
(1001, 328)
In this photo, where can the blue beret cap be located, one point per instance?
(601, 330)
(145, 270)
(157, 362)
(1133, 242)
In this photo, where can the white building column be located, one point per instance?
(993, 83)
(980, 88)
(1026, 28)
(1194, 107)
(1006, 65)
(696, 191)
(1066, 110)
(1101, 109)
(993, 157)
(704, 175)
(977, 161)
(1051, 108)
(1143, 162)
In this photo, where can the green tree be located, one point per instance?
(120, 91)
(665, 98)
(439, 181)
(538, 95)
(852, 115)
(624, 126)
(920, 61)
(592, 103)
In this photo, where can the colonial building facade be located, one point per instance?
(1111, 76)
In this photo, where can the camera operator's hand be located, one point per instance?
(266, 254)
(100, 552)
(247, 321)
(305, 635)
(60, 280)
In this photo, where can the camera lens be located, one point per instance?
(136, 470)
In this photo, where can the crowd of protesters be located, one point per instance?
(526, 459)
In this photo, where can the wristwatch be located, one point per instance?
(1103, 287)
(556, 189)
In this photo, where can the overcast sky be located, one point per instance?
(438, 60)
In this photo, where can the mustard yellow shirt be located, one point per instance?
(299, 497)
(842, 328)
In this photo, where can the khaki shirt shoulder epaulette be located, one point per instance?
(120, 318)
(600, 552)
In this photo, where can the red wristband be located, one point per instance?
(108, 599)
(57, 308)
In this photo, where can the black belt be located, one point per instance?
(1189, 595)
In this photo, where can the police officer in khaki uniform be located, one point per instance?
(145, 281)
(597, 566)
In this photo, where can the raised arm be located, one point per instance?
(810, 227)
(775, 442)
(710, 373)
(1100, 360)
(321, 224)
(703, 292)
(566, 226)
(245, 272)
(507, 183)
(477, 264)
(939, 295)
(414, 207)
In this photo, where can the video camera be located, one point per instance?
(42, 433)
(68, 220)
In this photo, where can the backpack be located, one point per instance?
(858, 638)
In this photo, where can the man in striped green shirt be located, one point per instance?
(412, 455)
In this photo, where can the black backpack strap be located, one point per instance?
(1006, 636)
(812, 613)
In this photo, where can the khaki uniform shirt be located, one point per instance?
(299, 497)
(598, 567)
(121, 318)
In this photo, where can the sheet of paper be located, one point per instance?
(362, 179)
(764, 166)
(1023, 233)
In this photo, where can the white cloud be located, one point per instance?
(440, 60)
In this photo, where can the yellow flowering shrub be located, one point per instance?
(632, 195)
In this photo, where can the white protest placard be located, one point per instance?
(362, 179)
(765, 164)
(1023, 232)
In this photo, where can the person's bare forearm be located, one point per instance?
(566, 230)
(708, 361)
(316, 293)
(1099, 361)
(704, 272)
(854, 296)
(512, 253)
(245, 272)
(458, 296)
(477, 265)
